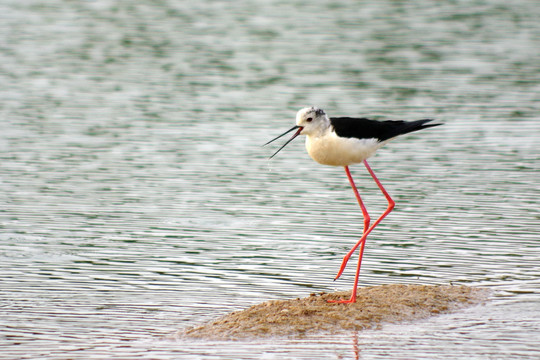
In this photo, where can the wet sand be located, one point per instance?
(374, 306)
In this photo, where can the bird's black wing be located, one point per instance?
(362, 128)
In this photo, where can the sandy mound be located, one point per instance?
(374, 305)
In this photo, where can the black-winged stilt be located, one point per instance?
(344, 141)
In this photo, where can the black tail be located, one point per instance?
(400, 127)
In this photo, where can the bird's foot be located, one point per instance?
(342, 267)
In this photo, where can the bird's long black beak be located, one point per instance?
(291, 139)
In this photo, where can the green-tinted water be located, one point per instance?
(137, 199)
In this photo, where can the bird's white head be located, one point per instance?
(312, 120)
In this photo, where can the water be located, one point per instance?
(137, 200)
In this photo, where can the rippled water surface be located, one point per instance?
(136, 198)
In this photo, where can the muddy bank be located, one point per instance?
(374, 306)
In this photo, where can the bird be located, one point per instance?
(344, 141)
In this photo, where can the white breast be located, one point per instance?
(331, 149)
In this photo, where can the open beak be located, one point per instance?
(300, 128)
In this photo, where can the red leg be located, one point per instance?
(360, 202)
(366, 223)
(362, 240)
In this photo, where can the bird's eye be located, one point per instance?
(309, 119)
